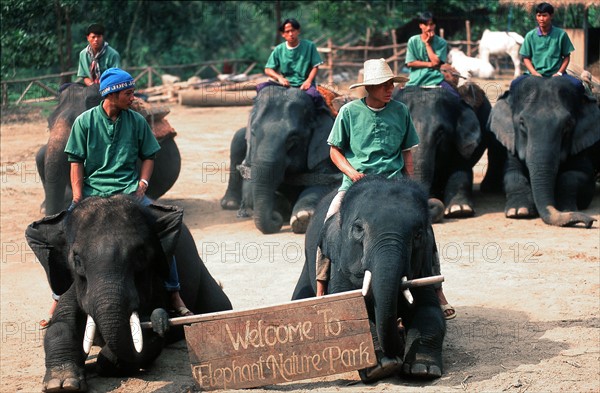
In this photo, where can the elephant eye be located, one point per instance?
(418, 237)
(358, 230)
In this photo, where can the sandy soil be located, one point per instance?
(527, 294)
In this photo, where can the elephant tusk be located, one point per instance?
(136, 332)
(406, 292)
(366, 283)
(88, 336)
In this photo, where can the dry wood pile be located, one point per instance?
(224, 90)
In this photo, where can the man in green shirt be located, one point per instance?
(103, 149)
(546, 50)
(97, 57)
(425, 53)
(295, 62)
(370, 136)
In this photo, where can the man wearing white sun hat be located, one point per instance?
(371, 136)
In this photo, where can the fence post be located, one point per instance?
(395, 51)
(330, 62)
(468, 27)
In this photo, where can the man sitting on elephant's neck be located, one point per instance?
(103, 149)
(97, 57)
(294, 63)
(546, 50)
(425, 54)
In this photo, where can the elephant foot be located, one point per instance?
(67, 377)
(459, 211)
(521, 212)
(230, 203)
(385, 367)
(422, 370)
(299, 222)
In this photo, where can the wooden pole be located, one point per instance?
(367, 40)
(395, 51)
(330, 61)
(468, 27)
(441, 32)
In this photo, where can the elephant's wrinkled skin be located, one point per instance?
(452, 138)
(384, 227)
(288, 139)
(552, 133)
(51, 160)
(108, 258)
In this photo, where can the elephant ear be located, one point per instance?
(424, 258)
(501, 123)
(167, 225)
(318, 149)
(586, 132)
(468, 131)
(47, 239)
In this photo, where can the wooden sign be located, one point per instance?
(288, 342)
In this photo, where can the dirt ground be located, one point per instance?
(527, 295)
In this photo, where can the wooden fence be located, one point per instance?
(41, 86)
(338, 58)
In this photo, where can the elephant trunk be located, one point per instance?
(386, 282)
(265, 180)
(542, 174)
(56, 173)
(116, 322)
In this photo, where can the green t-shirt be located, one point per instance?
(373, 141)
(108, 60)
(109, 150)
(416, 50)
(295, 64)
(546, 52)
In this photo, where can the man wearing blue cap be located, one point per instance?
(103, 149)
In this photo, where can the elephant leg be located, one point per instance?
(63, 344)
(40, 157)
(496, 158)
(305, 207)
(233, 195)
(458, 194)
(519, 198)
(425, 331)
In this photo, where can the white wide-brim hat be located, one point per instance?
(377, 71)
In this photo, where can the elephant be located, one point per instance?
(107, 259)
(552, 133)
(51, 160)
(453, 136)
(288, 160)
(383, 230)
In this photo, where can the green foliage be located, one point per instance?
(153, 32)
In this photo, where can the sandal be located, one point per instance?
(448, 307)
(182, 312)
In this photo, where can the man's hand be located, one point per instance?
(283, 81)
(305, 85)
(141, 190)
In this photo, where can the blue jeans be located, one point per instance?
(172, 282)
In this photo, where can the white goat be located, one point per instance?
(469, 66)
(500, 43)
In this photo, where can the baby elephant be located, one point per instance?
(108, 259)
(383, 232)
